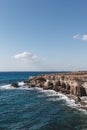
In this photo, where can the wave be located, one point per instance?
(8, 86)
(50, 95)
(57, 96)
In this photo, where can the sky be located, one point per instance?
(43, 35)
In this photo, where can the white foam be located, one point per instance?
(21, 83)
(23, 87)
(39, 89)
(7, 87)
(59, 96)
(53, 95)
(56, 96)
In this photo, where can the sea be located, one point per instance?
(27, 108)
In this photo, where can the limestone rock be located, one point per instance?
(66, 83)
(48, 85)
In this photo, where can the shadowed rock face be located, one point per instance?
(80, 91)
(15, 85)
(48, 85)
(68, 83)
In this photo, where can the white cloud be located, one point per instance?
(77, 36)
(80, 37)
(27, 61)
(26, 56)
(84, 37)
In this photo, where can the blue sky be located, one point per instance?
(43, 35)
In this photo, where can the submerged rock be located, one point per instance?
(15, 85)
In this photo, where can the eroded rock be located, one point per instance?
(48, 85)
(68, 83)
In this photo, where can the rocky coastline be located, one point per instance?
(73, 84)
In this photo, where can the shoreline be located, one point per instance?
(72, 84)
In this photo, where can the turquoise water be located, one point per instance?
(36, 109)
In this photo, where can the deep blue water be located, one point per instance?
(35, 109)
(9, 77)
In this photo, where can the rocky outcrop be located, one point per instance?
(68, 83)
(15, 84)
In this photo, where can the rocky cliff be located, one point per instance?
(74, 83)
(69, 83)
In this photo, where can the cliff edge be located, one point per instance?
(73, 83)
